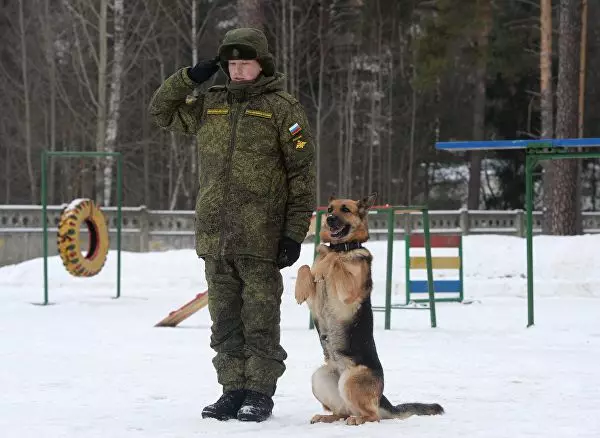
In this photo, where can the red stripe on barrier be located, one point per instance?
(436, 241)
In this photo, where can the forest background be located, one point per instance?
(381, 81)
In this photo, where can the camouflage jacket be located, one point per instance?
(256, 155)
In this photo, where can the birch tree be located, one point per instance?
(114, 101)
(27, 102)
(101, 63)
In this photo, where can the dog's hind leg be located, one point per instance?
(361, 390)
(305, 284)
(325, 389)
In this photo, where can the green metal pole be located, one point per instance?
(429, 268)
(460, 271)
(318, 214)
(317, 231)
(388, 275)
(529, 164)
(119, 219)
(407, 263)
(44, 226)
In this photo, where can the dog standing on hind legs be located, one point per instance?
(338, 292)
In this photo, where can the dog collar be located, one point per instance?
(341, 247)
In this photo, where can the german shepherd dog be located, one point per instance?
(338, 292)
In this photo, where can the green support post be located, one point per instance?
(389, 267)
(535, 153)
(45, 225)
(529, 164)
(430, 289)
(318, 219)
(461, 294)
(407, 265)
(77, 154)
(119, 220)
(318, 215)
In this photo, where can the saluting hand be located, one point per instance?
(202, 71)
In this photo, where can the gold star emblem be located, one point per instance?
(300, 144)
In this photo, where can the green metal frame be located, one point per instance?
(460, 297)
(391, 212)
(44, 194)
(536, 152)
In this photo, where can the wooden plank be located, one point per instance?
(185, 311)
(436, 262)
(436, 240)
(439, 286)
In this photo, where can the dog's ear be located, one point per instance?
(331, 198)
(368, 202)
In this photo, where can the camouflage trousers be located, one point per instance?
(244, 298)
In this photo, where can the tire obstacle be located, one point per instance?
(94, 260)
(82, 211)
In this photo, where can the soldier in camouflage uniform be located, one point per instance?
(256, 197)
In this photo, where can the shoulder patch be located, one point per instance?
(216, 88)
(257, 113)
(287, 97)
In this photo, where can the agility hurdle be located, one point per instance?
(44, 190)
(535, 152)
(445, 290)
(391, 212)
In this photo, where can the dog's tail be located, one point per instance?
(405, 410)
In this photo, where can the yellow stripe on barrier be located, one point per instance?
(436, 262)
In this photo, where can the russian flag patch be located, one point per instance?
(294, 129)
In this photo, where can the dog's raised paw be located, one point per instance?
(305, 286)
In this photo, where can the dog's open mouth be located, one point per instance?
(340, 231)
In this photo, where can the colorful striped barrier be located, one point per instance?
(447, 287)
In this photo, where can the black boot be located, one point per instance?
(226, 407)
(256, 407)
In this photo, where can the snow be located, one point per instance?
(75, 203)
(89, 365)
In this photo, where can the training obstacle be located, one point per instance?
(46, 155)
(390, 213)
(446, 289)
(535, 151)
(184, 312)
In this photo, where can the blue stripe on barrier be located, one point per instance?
(439, 286)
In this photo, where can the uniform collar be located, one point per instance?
(242, 91)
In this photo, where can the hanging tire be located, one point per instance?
(77, 213)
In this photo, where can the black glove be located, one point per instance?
(289, 251)
(202, 71)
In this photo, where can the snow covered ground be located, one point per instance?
(92, 366)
